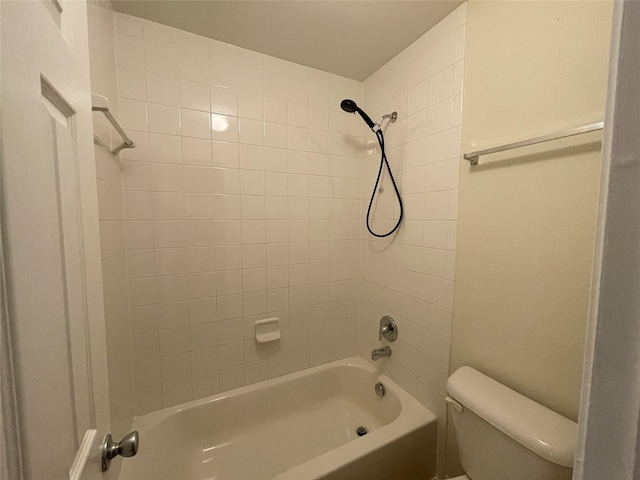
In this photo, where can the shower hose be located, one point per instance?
(384, 162)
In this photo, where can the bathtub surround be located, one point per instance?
(410, 276)
(527, 219)
(111, 221)
(241, 203)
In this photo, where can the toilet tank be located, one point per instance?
(504, 435)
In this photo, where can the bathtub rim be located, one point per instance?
(412, 417)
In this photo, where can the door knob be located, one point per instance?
(127, 447)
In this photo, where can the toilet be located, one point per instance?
(503, 435)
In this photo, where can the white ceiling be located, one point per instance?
(345, 37)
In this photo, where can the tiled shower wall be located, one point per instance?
(410, 275)
(111, 217)
(241, 202)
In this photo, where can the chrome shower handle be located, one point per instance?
(388, 329)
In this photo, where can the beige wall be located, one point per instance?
(527, 218)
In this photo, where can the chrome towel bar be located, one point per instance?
(101, 104)
(474, 156)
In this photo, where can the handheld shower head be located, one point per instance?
(350, 106)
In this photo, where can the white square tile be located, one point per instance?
(275, 85)
(204, 360)
(170, 261)
(253, 208)
(172, 315)
(204, 335)
(168, 233)
(226, 180)
(201, 259)
(441, 86)
(206, 384)
(224, 100)
(232, 377)
(131, 83)
(164, 119)
(147, 373)
(177, 392)
(250, 80)
(133, 114)
(254, 303)
(148, 399)
(139, 234)
(163, 89)
(166, 177)
(251, 131)
(202, 311)
(297, 90)
(251, 182)
(275, 135)
(251, 157)
(195, 123)
(223, 73)
(168, 206)
(438, 176)
(129, 51)
(174, 341)
(161, 59)
(196, 151)
(198, 233)
(224, 128)
(297, 114)
(165, 148)
(194, 95)
(225, 154)
(442, 54)
(229, 282)
(136, 175)
(194, 66)
(137, 206)
(140, 263)
(250, 106)
(254, 279)
(275, 110)
(175, 367)
(145, 346)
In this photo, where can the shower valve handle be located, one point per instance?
(388, 329)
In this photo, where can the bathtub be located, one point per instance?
(300, 426)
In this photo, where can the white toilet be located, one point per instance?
(503, 435)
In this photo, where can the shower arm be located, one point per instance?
(393, 116)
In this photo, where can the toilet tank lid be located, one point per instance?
(534, 426)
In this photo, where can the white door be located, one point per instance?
(53, 315)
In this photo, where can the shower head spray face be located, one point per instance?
(350, 106)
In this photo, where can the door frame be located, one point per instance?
(609, 429)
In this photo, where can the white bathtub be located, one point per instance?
(300, 426)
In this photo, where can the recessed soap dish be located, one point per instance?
(267, 330)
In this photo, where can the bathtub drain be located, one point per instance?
(361, 431)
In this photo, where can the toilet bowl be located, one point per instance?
(502, 434)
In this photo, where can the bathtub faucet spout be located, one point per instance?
(377, 353)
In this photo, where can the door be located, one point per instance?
(53, 319)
